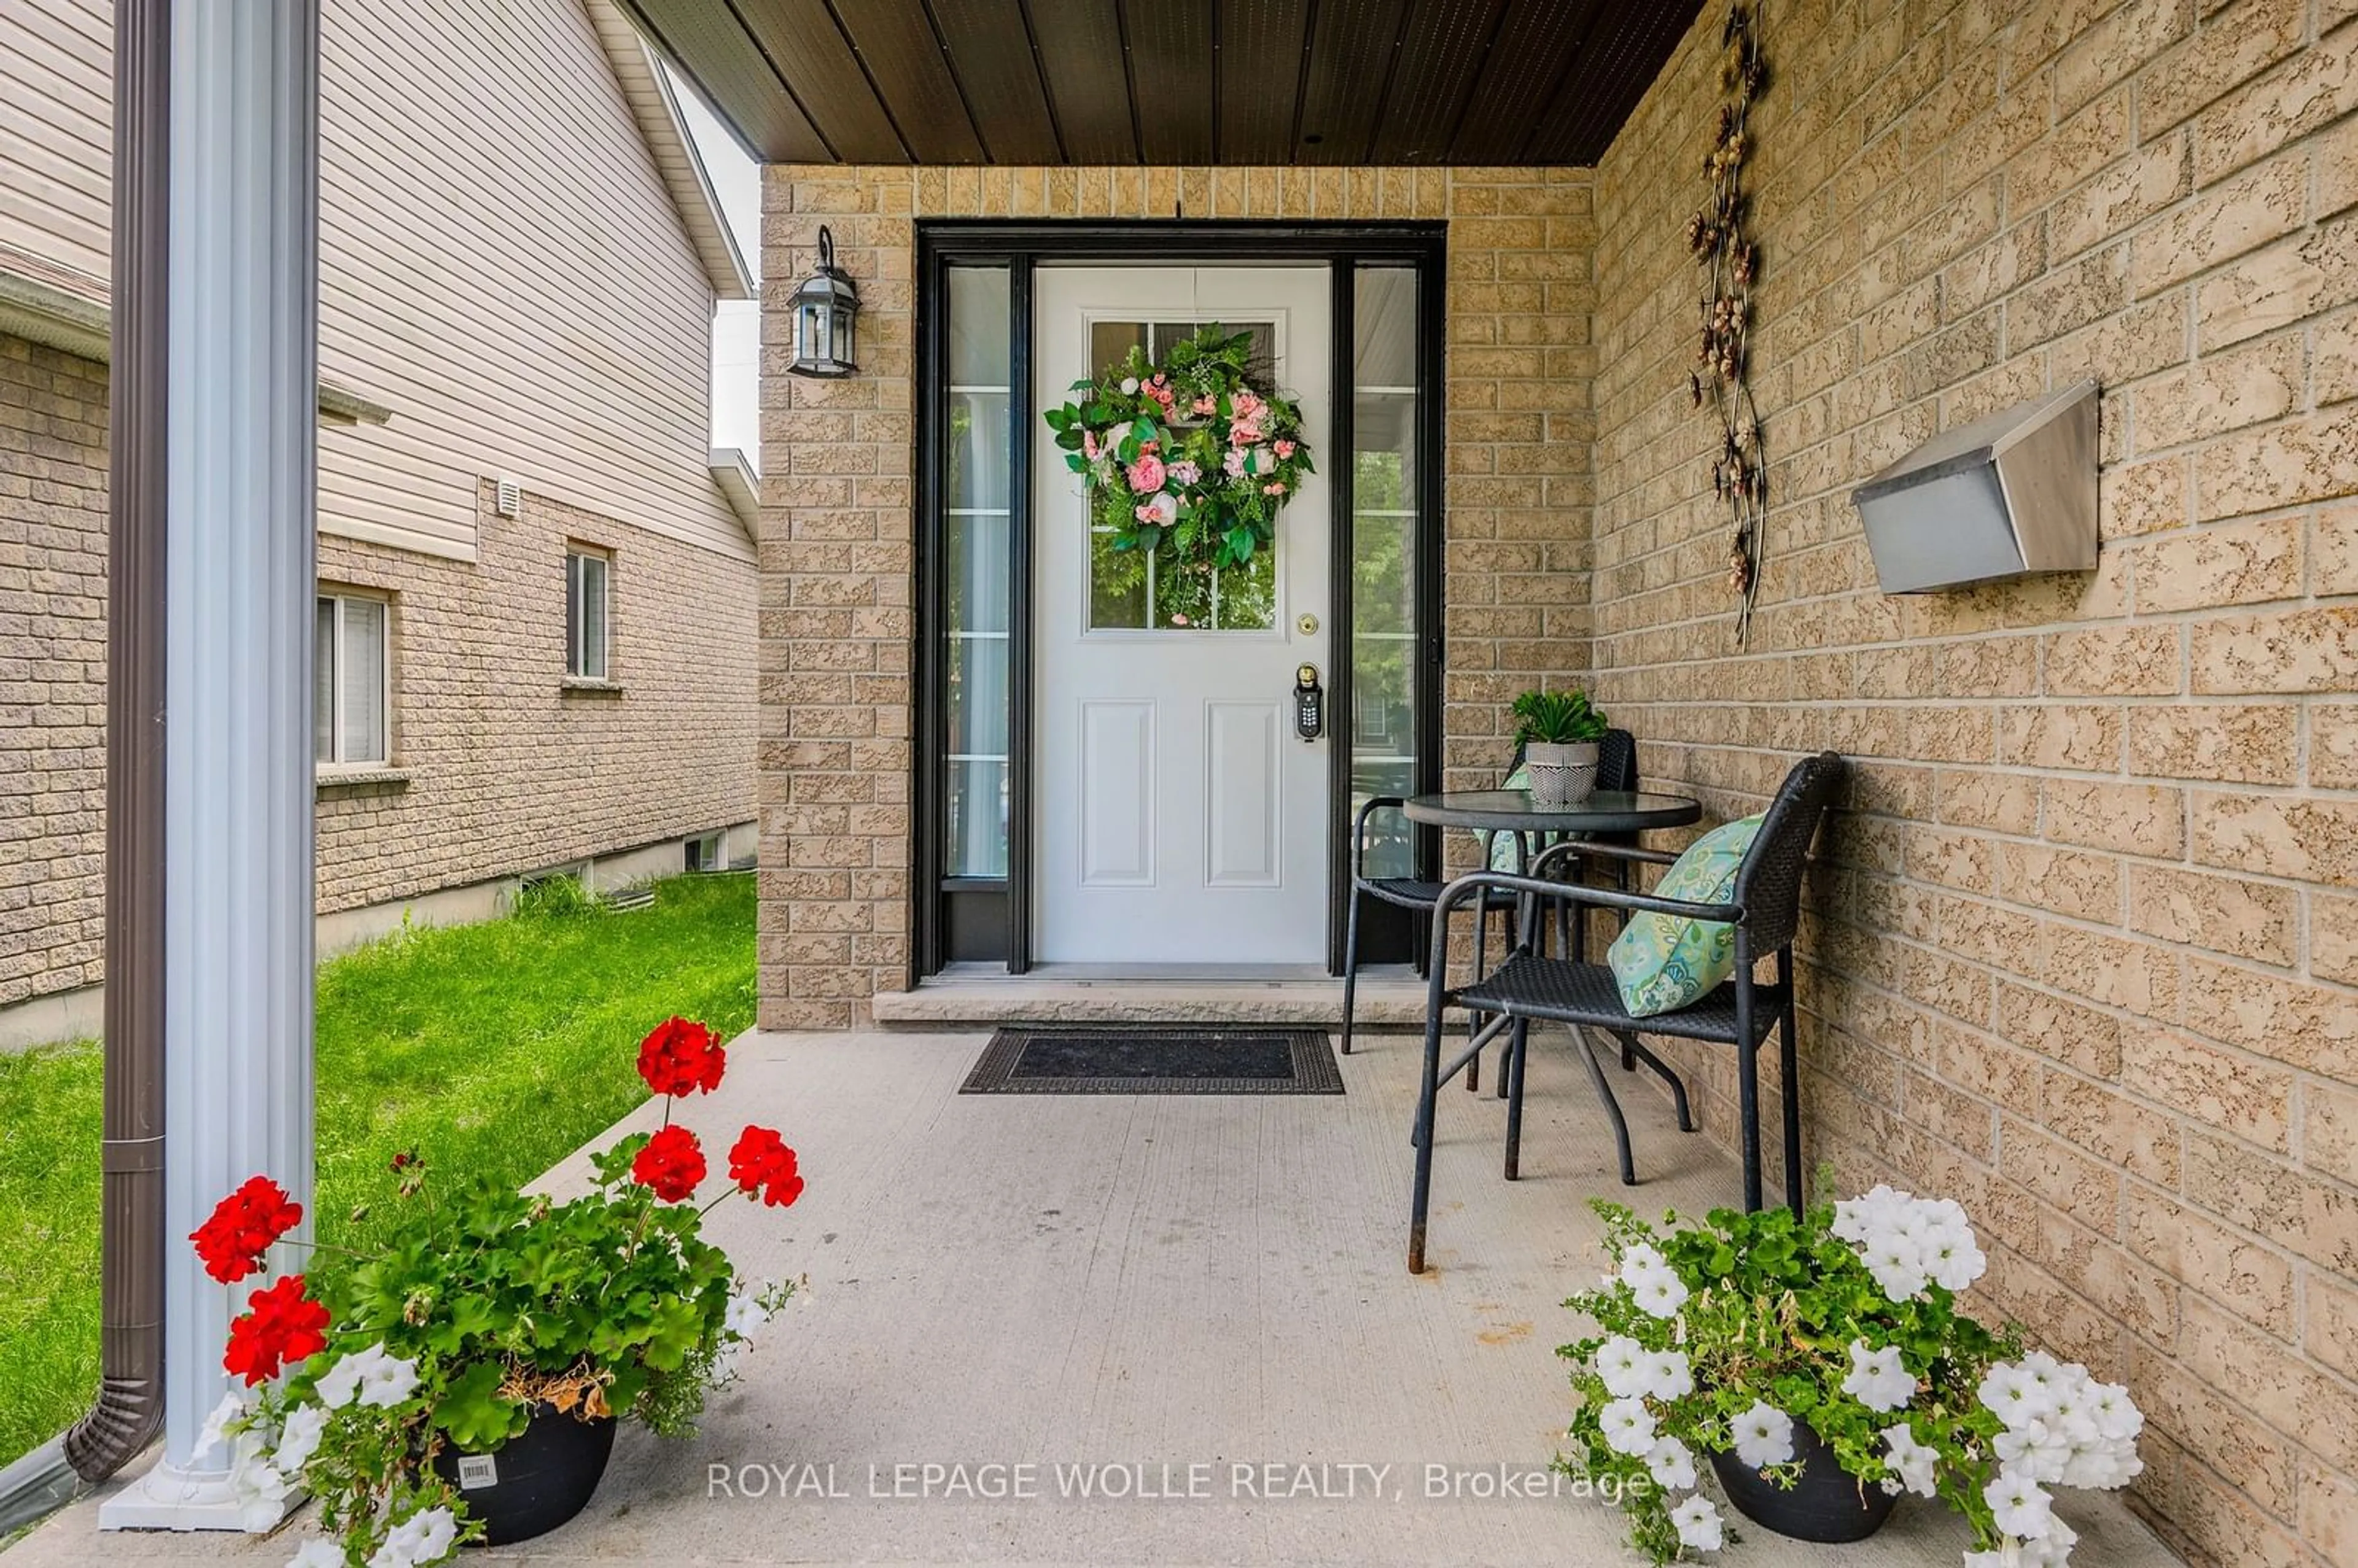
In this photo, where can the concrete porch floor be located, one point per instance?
(1156, 1281)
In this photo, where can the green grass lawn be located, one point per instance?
(497, 1049)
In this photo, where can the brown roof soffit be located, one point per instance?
(68, 310)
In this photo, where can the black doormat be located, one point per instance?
(1154, 1060)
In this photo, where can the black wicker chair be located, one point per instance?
(1765, 909)
(1616, 769)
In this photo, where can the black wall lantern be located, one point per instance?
(825, 305)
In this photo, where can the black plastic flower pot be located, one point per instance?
(1826, 1505)
(535, 1480)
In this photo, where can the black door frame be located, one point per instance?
(960, 918)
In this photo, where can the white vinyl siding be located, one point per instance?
(588, 621)
(501, 263)
(57, 130)
(352, 685)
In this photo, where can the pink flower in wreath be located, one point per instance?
(1161, 512)
(1205, 406)
(1089, 448)
(1274, 487)
(1244, 433)
(1244, 404)
(1234, 463)
(1185, 472)
(1284, 447)
(1146, 474)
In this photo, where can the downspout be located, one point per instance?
(130, 1405)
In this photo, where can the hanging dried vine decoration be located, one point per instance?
(1719, 237)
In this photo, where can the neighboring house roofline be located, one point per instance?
(655, 106)
(740, 481)
(63, 308)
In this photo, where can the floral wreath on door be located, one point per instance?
(1186, 460)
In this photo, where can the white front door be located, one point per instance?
(1180, 820)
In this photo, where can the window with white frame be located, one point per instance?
(589, 595)
(351, 681)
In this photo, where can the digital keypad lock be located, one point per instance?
(1309, 703)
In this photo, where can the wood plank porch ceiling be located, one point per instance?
(1171, 81)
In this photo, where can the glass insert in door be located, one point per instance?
(1133, 592)
(977, 516)
(1385, 490)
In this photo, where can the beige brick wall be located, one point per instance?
(2088, 937)
(506, 770)
(52, 668)
(836, 625)
(509, 770)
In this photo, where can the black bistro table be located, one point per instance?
(1513, 811)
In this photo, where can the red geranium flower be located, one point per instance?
(761, 1162)
(284, 1326)
(242, 1228)
(680, 1056)
(671, 1163)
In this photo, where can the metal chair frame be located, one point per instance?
(1529, 986)
(1616, 769)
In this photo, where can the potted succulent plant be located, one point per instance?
(1820, 1367)
(463, 1384)
(1559, 732)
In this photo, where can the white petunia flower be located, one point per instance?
(339, 1384)
(1697, 1523)
(2053, 1550)
(1668, 1374)
(2034, 1449)
(1622, 1362)
(1628, 1427)
(422, 1538)
(1672, 1464)
(260, 1486)
(2020, 1504)
(1642, 1259)
(2109, 1407)
(746, 1314)
(1895, 1261)
(2014, 1393)
(317, 1554)
(1763, 1436)
(1876, 1379)
(1917, 1464)
(215, 1431)
(299, 1438)
(1951, 1256)
(374, 1376)
(1661, 1295)
(389, 1382)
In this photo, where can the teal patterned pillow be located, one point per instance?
(1498, 849)
(1664, 962)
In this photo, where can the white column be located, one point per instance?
(238, 771)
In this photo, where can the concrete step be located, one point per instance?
(1385, 1001)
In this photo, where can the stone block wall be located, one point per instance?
(500, 770)
(2087, 937)
(838, 542)
(510, 770)
(52, 669)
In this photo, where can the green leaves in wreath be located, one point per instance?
(1184, 457)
